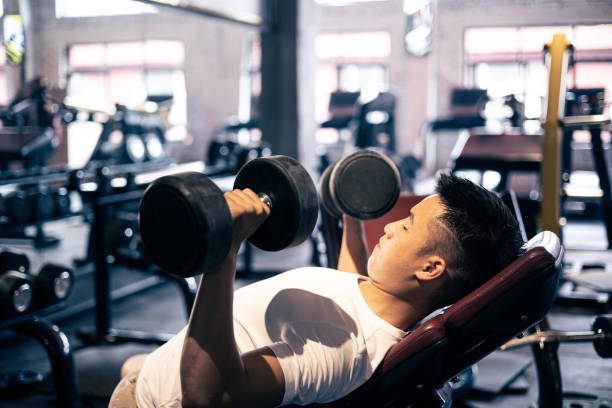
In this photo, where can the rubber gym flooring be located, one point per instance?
(505, 379)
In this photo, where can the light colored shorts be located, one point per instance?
(124, 395)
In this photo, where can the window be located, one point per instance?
(139, 74)
(96, 8)
(339, 3)
(509, 60)
(351, 61)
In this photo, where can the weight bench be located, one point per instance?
(417, 370)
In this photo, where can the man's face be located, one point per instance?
(396, 257)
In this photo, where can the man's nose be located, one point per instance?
(389, 231)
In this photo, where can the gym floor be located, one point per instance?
(505, 379)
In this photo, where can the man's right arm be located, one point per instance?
(353, 251)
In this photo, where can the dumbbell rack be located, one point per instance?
(103, 332)
(40, 240)
(57, 176)
(58, 349)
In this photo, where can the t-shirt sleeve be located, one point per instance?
(316, 370)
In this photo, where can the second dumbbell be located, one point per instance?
(363, 185)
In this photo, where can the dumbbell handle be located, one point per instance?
(265, 199)
(554, 336)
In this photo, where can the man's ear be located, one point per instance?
(434, 267)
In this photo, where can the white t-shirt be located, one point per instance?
(327, 340)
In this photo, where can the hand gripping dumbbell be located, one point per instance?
(16, 285)
(363, 185)
(185, 222)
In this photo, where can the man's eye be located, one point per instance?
(404, 227)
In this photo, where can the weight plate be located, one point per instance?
(603, 324)
(134, 148)
(62, 202)
(53, 284)
(185, 224)
(154, 146)
(12, 260)
(326, 198)
(15, 293)
(42, 204)
(17, 207)
(365, 185)
(294, 200)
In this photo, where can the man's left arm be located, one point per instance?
(353, 250)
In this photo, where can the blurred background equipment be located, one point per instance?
(28, 135)
(100, 98)
(129, 136)
(235, 143)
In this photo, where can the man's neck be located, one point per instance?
(401, 313)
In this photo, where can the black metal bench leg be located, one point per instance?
(549, 371)
(58, 349)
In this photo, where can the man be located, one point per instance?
(316, 334)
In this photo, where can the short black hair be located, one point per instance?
(480, 238)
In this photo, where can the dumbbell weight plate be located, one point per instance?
(185, 223)
(154, 147)
(17, 207)
(603, 324)
(62, 202)
(134, 148)
(42, 204)
(53, 284)
(12, 260)
(294, 200)
(326, 198)
(15, 293)
(365, 185)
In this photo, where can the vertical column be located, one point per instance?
(550, 169)
(279, 97)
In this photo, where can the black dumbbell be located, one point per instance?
(120, 229)
(185, 222)
(602, 326)
(53, 284)
(12, 260)
(17, 207)
(16, 289)
(364, 185)
(16, 285)
(42, 204)
(154, 145)
(62, 201)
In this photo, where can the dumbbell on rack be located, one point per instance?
(17, 207)
(35, 204)
(41, 203)
(363, 185)
(62, 202)
(600, 335)
(16, 285)
(20, 292)
(53, 284)
(185, 222)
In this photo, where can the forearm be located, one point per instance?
(210, 356)
(353, 251)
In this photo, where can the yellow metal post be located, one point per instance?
(550, 172)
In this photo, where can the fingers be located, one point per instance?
(248, 213)
(245, 201)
